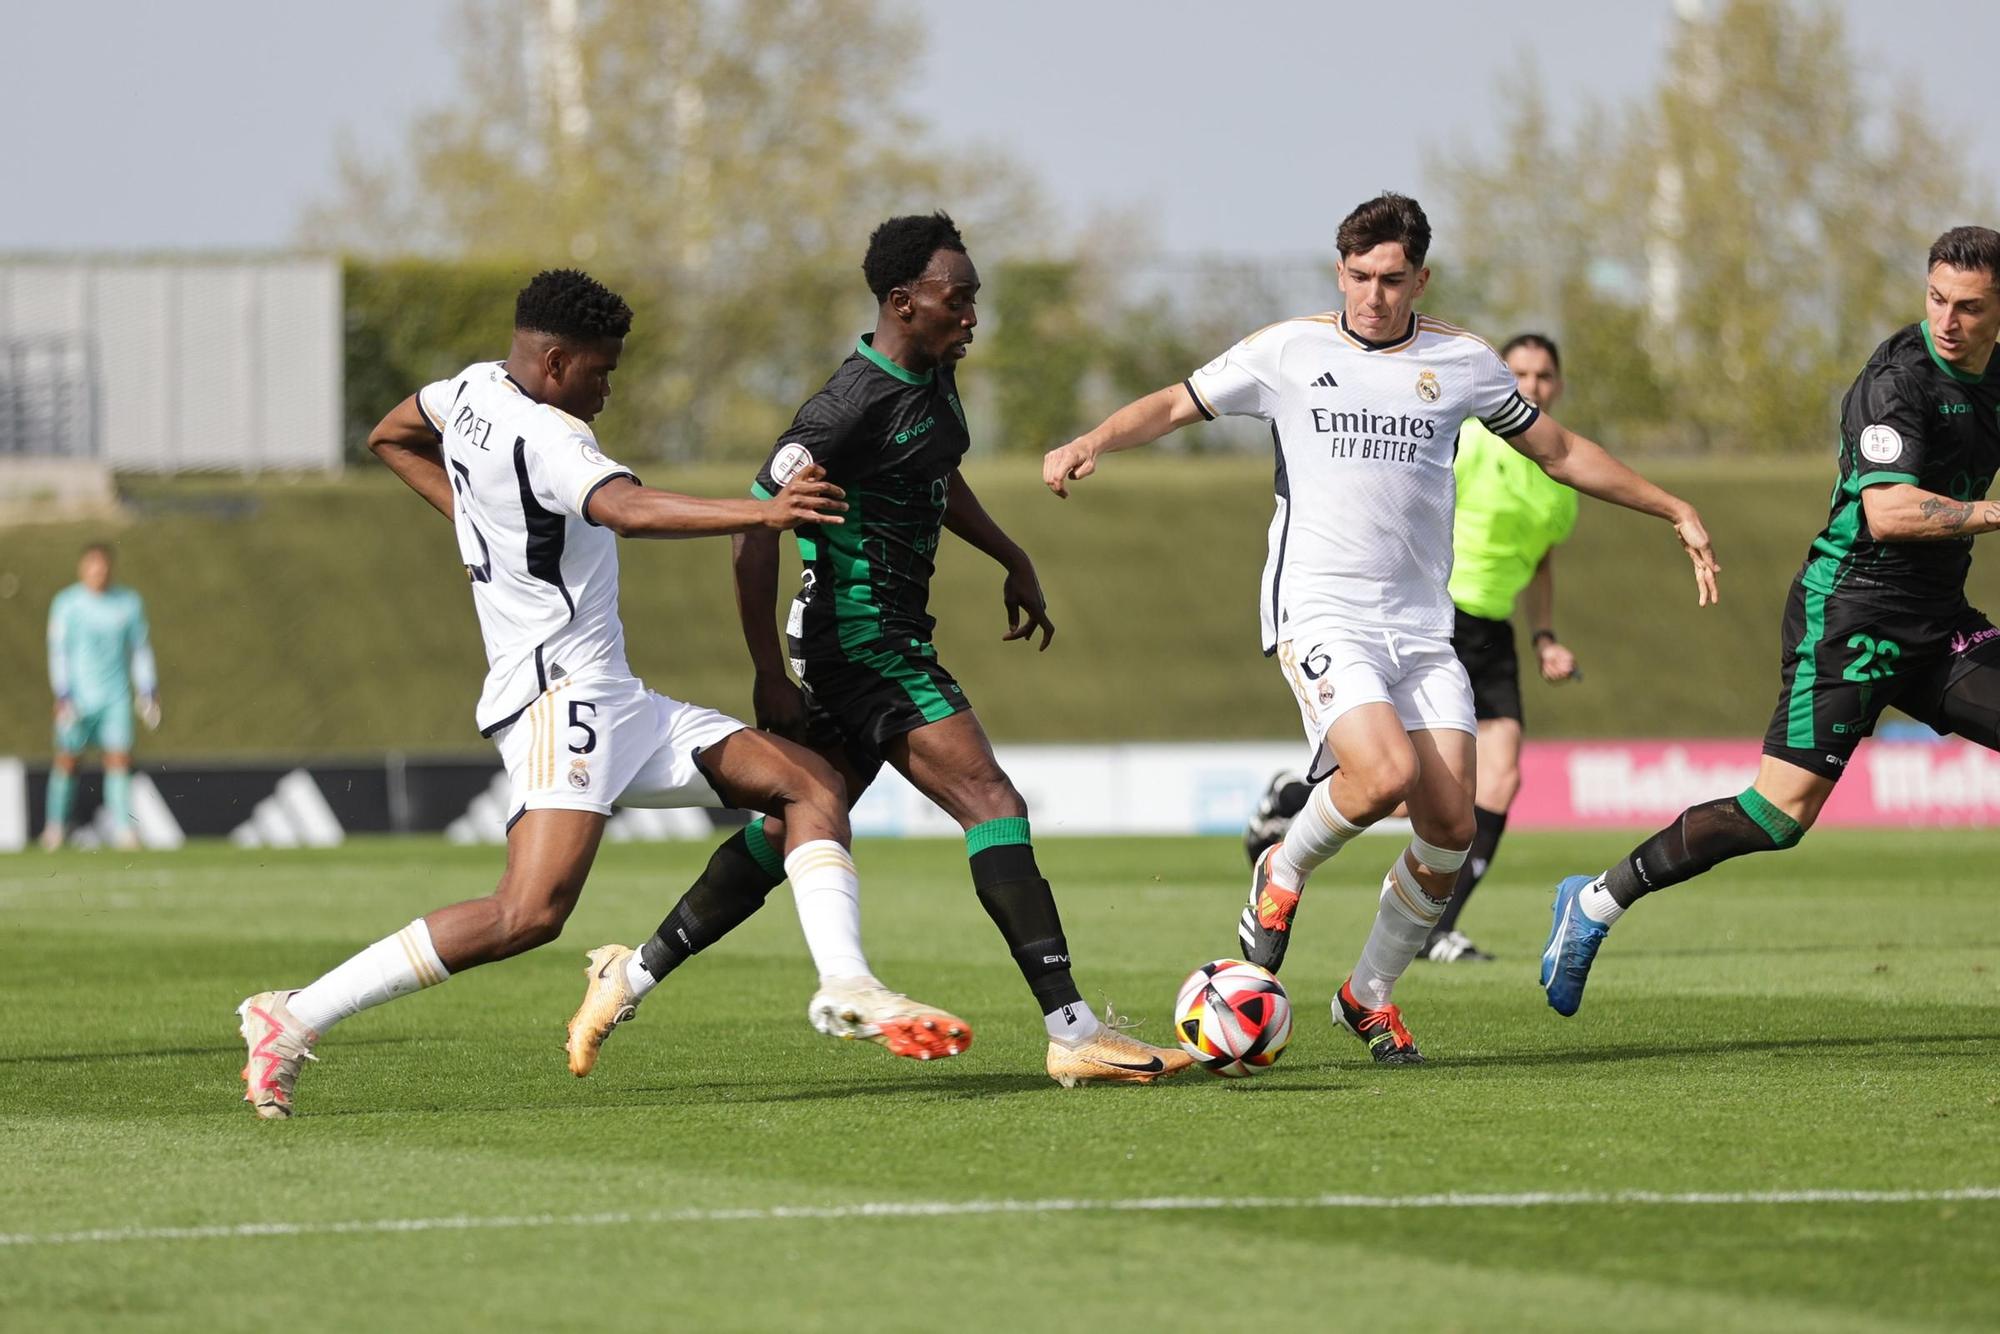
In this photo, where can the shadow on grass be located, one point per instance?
(990, 1085)
(150, 1053)
(1884, 947)
(1612, 1055)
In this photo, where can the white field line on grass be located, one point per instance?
(979, 1208)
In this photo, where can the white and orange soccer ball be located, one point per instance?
(1233, 1018)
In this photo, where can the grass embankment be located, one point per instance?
(318, 617)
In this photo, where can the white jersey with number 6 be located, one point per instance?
(544, 577)
(1365, 433)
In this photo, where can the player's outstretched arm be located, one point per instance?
(631, 510)
(407, 442)
(1139, 422)
(1901, 512)
(1027, 609)
(1585, 465)
(777, 703)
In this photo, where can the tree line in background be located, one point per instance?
(1717, 256)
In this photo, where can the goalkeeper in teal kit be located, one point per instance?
(99, 658)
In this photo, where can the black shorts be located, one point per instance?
(1486, 650)
(1846, 661)
(861, 700)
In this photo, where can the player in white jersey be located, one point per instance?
(1365, 405)
(504, 450)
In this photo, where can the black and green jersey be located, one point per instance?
(891, 439)
(1910, 417)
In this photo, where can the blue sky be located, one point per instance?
(1244, 129)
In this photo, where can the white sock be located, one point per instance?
(828, 895)
(1072, 1024)
(637, 978)
(1403, 922)
(1597, 903)
(1319, 831)
(391, 967)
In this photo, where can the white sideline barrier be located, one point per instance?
(13, 805)
(1135, 788)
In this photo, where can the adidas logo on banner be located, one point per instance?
(295, 815)
(1326, 381)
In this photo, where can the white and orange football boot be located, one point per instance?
(607, 1002)
(278, 1045)
(861, 1007)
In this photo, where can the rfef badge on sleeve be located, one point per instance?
(1881, 444)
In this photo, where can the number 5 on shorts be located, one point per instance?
(576, 722)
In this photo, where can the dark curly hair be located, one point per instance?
(900, 249)
(1386, 217)
(571, 305)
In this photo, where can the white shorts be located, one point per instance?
(586, 744)
(1332, 669)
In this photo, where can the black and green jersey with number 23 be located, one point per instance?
(860, 629)
(1871, 623)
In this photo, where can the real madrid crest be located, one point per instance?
(579, 775)
(1427, 387)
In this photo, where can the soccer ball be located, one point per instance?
(1233, 1017)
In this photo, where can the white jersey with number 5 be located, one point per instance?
(1365, 435)
(544, 577)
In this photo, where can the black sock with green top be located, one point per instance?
(740, 875)
(1705, 836)
(1019, 901)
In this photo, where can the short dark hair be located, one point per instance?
(571, 305)
(1968, 248)
(1539, 341)
(101, 548)
(900, 249)
(1387, 217)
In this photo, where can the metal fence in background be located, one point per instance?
(48, 396)
(172, 364)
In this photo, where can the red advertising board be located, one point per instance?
(1588, 784)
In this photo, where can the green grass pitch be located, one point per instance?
(1827, 1020)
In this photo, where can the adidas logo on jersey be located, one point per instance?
(1326, 381)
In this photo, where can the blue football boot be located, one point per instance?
(1573, 942)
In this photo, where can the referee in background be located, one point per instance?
(1511, 516)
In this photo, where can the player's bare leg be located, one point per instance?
(1499, 782)
(549, 854)
(952, 763)
(808, 801)
(1378, 767)
(806, 804)
(1414, 893)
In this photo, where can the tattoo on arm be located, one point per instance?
(1951, 515)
